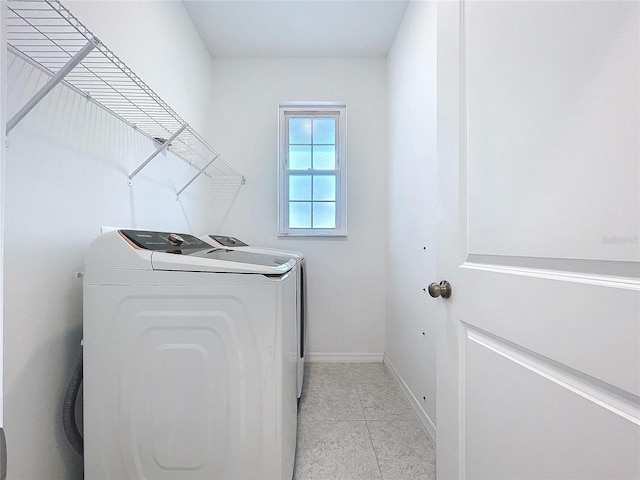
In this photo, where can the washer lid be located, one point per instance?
(186, 253)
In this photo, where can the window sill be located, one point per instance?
(313, 234)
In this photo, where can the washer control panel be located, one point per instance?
(164, 241)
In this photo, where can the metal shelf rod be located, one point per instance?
(153, 155)
(55, 80)
(196, 175)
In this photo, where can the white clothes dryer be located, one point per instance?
(228, 242)
(189, 360)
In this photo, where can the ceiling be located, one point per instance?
(297, 28)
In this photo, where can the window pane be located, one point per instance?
(324, 157)
(299, 157)
(324, 215)
(324, 130)
(324, 187)
(299, 187)
(299, 215)
(300, 130)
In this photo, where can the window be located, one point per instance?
(312, 170)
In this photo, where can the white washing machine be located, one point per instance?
(225, 241)
(190, 360)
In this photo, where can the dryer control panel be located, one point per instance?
(227, 241)
(164, 241)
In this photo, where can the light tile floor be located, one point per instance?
(354, 423)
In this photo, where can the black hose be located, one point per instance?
(69, 410)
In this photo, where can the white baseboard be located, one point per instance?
(429, 426)
(344, 357)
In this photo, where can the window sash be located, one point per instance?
(313, 200)
(337, 139)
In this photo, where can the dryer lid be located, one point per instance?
(221, 261)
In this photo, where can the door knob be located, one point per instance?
(443, 289)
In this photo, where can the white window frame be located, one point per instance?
(312, 109)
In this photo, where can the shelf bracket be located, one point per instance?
(197, 175)
(153, 155)
(53, 81)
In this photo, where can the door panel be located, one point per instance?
(589, 327)
(552, 125)
(549, 422)
(538, 149)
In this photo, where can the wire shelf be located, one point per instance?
(48, 35)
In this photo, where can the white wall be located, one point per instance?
(66, 175)
(346, 276)
(412, 204)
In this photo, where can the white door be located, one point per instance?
(538, 167)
